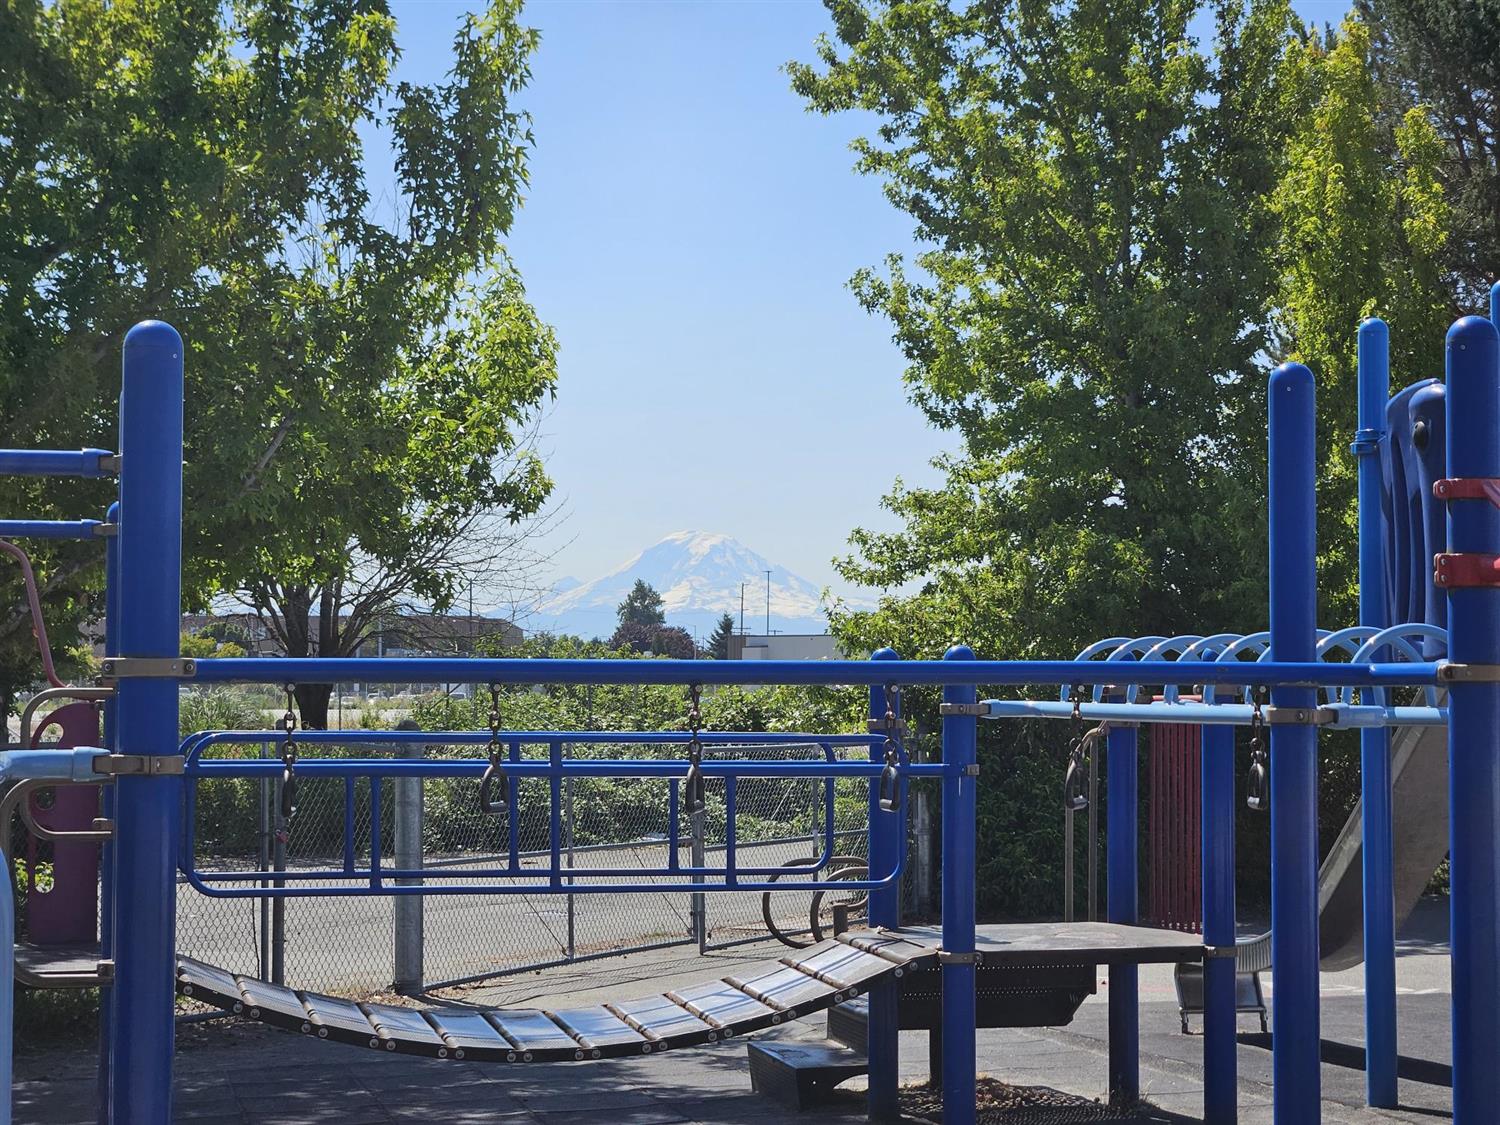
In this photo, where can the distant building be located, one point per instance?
(784, 646)
(404, 635)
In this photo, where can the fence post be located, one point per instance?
(960, 749)
(1473, 361)
(408, 832)
(264, 857)
(1296, 1049)
(147, 806)
(279, 837)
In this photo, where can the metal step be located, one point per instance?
(61, 967)
(800, 1075)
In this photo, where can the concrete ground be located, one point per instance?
(250, 1075)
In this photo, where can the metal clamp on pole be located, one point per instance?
(1457, 570)
(139, 765)
(1468, 488)
(1468, 673)
(980, 710)
(1299, 716)
(947, 958)
(1220, 952)
(115, 668)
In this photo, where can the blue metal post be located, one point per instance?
(1375, 742)
(1294, 750)
(107, 807)
(147, 806)
(1473, 361)
(1495, 304)
(1220, 1067)
(887, 837)
(1121, 904)
(55, 462)
(960, 752)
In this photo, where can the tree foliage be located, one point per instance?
(642, 606)
(1089, 319)
(358, 362)
(718, 641)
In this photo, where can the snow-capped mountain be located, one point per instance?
(698, 575)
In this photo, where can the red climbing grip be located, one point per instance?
(1458, 571)
(1468, 488)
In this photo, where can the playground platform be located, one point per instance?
(254, 1075)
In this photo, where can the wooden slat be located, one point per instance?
(897, 950)
(662, 1021)
(342, 1020)
(785, 989)
(531, 1031)
(469, 1034)
(722, 1005)
(406, 1028)
(209, 983)
(598, 1029)
(841, 965)
(272, 1003)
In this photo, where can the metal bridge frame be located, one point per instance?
(144, 573)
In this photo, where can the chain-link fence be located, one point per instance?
(610, 829)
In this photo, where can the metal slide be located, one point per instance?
(1419, 796)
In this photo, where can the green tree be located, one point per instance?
(1364, 224)
(642, 606)
(718, 641)
(356, 370)
(1445, 54)
(1087, 325)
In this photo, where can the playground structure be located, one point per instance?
(1344, 678)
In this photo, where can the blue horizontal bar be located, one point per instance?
(1208, 714)
(199, 882)
(534, 737)
(317, 669)
(61, 765)
(324, 875)
(50, 529)
(538, 767)
(54, 463)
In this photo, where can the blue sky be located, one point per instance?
(690, 231)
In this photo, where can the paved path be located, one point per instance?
(249, 1075)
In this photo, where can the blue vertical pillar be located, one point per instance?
(1122, 904)
(1473, 361)
(107, 808)
(147, 807)
(1375, 742)
(887, 838)
(1495, 304)
(1220, 1067)
(960, 755)
(1294, 750)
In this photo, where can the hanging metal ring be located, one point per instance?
(490, 802)
(890, 787)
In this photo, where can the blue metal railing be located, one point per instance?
(519, 879)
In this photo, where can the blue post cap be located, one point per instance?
(886, 653)
(156, 334)
(1290, 377)
(959, 652)
(1473, 332)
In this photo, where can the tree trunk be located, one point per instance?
(312, 705)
